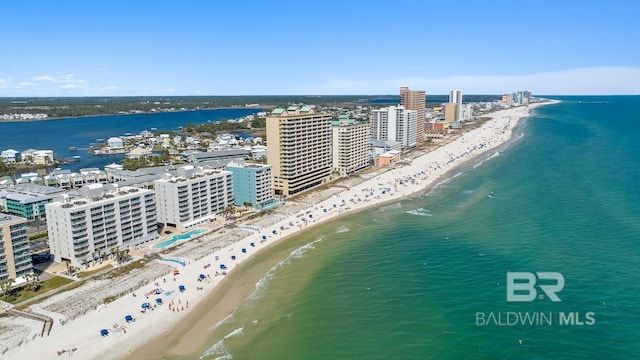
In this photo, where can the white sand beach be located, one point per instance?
(202, 270)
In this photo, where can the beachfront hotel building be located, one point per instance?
(298, 149)
(101, 218)
(450, 112)
(194, 195)
(415, 100)
(395, 123)
(252, 185)
(15, 252)
(351, 145)
(455, 97)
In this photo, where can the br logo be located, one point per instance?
(521, 286)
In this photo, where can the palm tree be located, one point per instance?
(85, 263)
(68, 262)
(6, 286)
(228, 211)
(32, 280)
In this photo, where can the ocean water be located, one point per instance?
(408, 280)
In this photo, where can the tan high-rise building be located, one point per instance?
(351, 145)
(15, 252)
(450, 112)
(298, 149)
(415, 100)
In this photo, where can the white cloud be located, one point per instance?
(582, 81)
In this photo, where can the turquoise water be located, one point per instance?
(407, 280)
(182, 237)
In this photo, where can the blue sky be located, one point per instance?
(119, 48)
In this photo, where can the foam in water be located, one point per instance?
(295, 254)
(495, 154)
(219, 348)
(397, 205)
(342, 229)
(420, 212)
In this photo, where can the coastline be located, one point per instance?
(177, 331)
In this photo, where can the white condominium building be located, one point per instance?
(105, 216)
(298, 149)
(395, 123)
(193, 196)
(351, 145)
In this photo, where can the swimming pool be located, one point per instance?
(182, 237)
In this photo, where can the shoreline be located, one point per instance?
(422, 174)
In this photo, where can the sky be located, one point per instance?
(347, 47)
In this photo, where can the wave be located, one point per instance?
(420, 212)
(219, 350)
(295, 254)
(342, 229)
(495, 154)
(468, 192)
(397, 205)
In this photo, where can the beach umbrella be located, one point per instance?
(233, 257)
(244, 250)
(158, 301)
(104, 332)
(253, 244)
(275, 232)
(202, 276)
(282, 228)
(310, 215)
(181, 287)
(128, 318)
(264, 237)
(145, 305)
(222, 267)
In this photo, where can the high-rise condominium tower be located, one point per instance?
(455, 97)
(415, 100)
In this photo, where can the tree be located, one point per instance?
(228, 211)
(32, 280)
(68, 263)
(6, 285)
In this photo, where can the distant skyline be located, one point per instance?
(136, 48)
